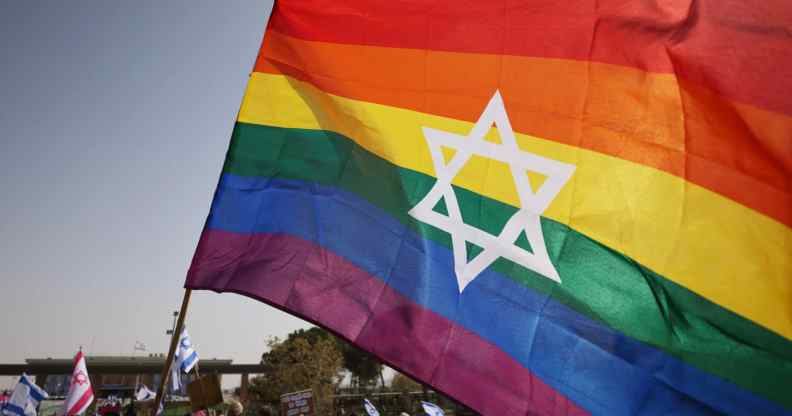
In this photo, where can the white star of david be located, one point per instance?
(532, 204)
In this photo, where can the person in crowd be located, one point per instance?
(235, 408)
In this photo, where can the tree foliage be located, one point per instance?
(312, 358)
(312, 335)
(364, 367)
(305, 359)
(403, 384)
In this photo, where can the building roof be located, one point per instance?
(117, 364)
(119, 359)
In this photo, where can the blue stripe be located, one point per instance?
(12, 408)
(188, 362)
(599, 368)
(36, 392)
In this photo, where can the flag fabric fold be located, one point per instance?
(176, 376)
(537, 208)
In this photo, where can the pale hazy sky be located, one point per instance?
(114, 121)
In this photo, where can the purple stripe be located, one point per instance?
(309, 281)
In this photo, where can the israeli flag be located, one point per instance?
(143, 393)
(432, 409)
(370, 409)
(186, 357)
(25, 399)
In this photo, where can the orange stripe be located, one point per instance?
(735, 47)
(737, 150)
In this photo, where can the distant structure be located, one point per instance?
(119, 373)
(110, 373)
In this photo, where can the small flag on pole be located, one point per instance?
(143, 393)
(25, 399)
(80, 393)
(370, 409)
(184, 360)
(432, 409)
(186, 357)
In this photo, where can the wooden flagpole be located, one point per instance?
(166, 370)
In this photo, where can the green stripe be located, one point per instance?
(597, 281)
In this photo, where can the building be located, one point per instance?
(120, 372)
(109, 373)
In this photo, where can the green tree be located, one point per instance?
(364, 367)
(312, 335)
(305, 359)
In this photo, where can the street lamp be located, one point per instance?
(171, 331)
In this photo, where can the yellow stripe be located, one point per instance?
(715, 247)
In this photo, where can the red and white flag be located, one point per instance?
(80, 392)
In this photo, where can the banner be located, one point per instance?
(300, 403)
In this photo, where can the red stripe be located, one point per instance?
(77, 358)
(308, 281)
(737, 48)
(81, 404)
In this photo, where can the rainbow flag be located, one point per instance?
(537, 207)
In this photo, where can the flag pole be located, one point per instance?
(174, 341)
